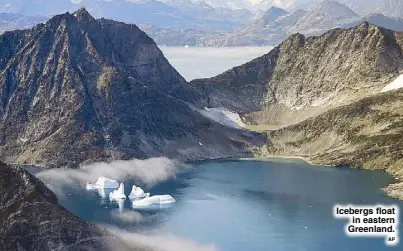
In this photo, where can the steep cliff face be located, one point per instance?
(77, 89)
(32, 219)
(304, 77)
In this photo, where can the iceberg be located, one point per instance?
(118, 194)
(103, 182)
(137, 193)
(154, 200)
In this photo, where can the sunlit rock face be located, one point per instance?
(304, 77)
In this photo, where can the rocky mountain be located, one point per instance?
(262, 19)
(322, 98)
(77, 90)
(32, 219)
(364, 7)
(326, 14)
(11, 21)
(304, 76)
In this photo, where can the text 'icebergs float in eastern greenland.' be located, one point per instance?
(137, 193)
(118, 194)
(103, 182)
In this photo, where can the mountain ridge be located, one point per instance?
(281, 80)
(71, 98)
(322, 98)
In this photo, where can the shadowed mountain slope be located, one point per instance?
(77, 90)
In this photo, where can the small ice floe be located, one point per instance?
(137, 193)
(154, 200)
(118, 194)
(103, 182)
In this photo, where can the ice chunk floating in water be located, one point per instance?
(154, 200)
(103, 182)
(119, 193)
(137, 193)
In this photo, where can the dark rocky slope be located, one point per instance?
(76, 90)
(31, 219)
(304, 77)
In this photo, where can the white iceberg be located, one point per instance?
(154, 200)
(118, 194)
(137, 193)
(103, 182)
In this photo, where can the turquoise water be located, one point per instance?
(249, 205)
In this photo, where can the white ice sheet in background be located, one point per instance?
(396, 84)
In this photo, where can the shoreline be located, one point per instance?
(280, 157)
(392, 190)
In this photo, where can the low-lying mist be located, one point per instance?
(159, 241)
(146, 172)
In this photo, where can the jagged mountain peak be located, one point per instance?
(263, 18)
(83, 15)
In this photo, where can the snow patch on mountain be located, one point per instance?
(223, 116)
(396, 84)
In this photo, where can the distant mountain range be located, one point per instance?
(274, 25)
(184, 15)
(12, 21)
(215, 22)
(362, 7)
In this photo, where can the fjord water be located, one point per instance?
(206, 62)
(248, 206)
